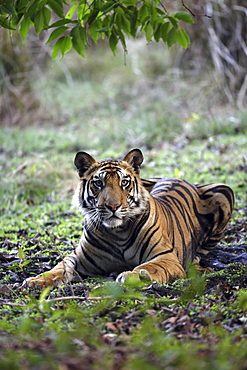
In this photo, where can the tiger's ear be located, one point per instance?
(83, 161)
(135, 159)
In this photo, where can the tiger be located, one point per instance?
(149, 230)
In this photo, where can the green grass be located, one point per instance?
(36, 189)
(106, 108)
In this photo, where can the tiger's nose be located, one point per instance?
(113, 207)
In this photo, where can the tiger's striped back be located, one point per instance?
(197, 214)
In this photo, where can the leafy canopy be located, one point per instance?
(71, 24)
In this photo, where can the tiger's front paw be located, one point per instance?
(141, 275)
(42, 281)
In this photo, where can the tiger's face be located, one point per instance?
(110, 192)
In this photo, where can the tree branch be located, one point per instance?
(193, 14)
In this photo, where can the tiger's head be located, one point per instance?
(110, 191)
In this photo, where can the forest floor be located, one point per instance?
(103, 105)
(95, 323)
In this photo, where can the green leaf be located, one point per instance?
(97, 4)
(61, 22)
(8, 8)
(56, 33)
(184, 16)
(46, 17)
(162, 13)
(24, 27)
(71, 11)
(20, 6)
(41, 3)
(42, 19)
(57, 7)
(143, 13)
(93, 16)
(173, 22)
(153, 12)
(149, 31)
(93, 29)
(15, 20)
(196, 286)
(108, 6)
(242, 300)
(122, 39)
(126, 24)
(134, 22)
(121, 21)
(31, 9)
(183, 38)
(66, 44)
(118, 17)
(171, 37)
(83, 11)
(25, 263)
(38, 21)
(113, 40)
(6, 23)
(129, 2)
(63, 45)
(21, 253)
(158, 32)
(164, 30)
(79, 39)
(44, 293)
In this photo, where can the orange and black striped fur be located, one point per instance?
(147, 228)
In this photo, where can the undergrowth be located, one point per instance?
(97, 323)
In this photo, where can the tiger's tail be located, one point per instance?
(217, 200)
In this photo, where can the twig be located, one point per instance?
(163, 6)
(193, 14)
(58, 299)
(12, 304)
(61, 299)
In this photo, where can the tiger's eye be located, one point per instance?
(125, 182)
(98, 183)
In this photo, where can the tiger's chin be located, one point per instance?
(113, 222)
